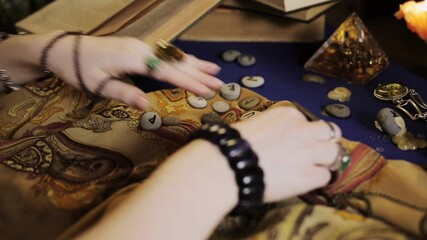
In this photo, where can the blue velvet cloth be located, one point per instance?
(281, 64)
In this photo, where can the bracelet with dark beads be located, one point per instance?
(242, 160)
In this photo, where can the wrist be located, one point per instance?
(249, 177)
(209, 173)
(193, 187)
(20, 57)
(201, 184)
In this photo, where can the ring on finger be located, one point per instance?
(152, 63)
(168, 52)
(342, 160)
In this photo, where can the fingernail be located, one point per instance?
(218, 68)
(142, 103)
(219, 83)
(209, 95)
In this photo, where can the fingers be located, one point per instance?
(192, 74)
(118, 56)
(197, 73)
(179, 78)
(202, 65)
(317, 141)
(314, 132)
(325, 131)
(313, 177)
(125, 93)
(320, 177)
(135, 57)
(323, 153)
(183, 70)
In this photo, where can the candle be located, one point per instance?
(415, 15)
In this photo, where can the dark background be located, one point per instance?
(12, 11)
(401, 45)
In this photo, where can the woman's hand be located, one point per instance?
(102, 58)
(196, 186)
(295, 154)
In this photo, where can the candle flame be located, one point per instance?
(415, 15)
(420, 6)
(423, 5)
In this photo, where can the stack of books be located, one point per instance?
(147, 20)
(290, 5)
(263, 20)
(206, 20)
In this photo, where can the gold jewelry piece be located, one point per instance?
(396, 92)
(168, 52)
(390, 91)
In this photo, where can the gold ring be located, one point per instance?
(168, 52)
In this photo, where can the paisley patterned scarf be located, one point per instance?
(65, 160)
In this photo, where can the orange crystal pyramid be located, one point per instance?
(351, 53)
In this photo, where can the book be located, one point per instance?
(147, 20)
(71, 15)
(305, 15)
(225, 24)
(167, 19)
(291, 5)
(129, 14)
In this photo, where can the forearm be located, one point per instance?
(184, 199)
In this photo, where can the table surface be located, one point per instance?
(281, 64)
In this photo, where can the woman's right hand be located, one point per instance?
(295, 154)
(101, 62)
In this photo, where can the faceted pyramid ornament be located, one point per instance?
(351, 53)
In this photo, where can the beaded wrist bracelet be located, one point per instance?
(49, 46)
(76, 61)
(244, 162)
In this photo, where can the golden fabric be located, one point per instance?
(65, 160)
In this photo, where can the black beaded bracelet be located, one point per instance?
(243, 161)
